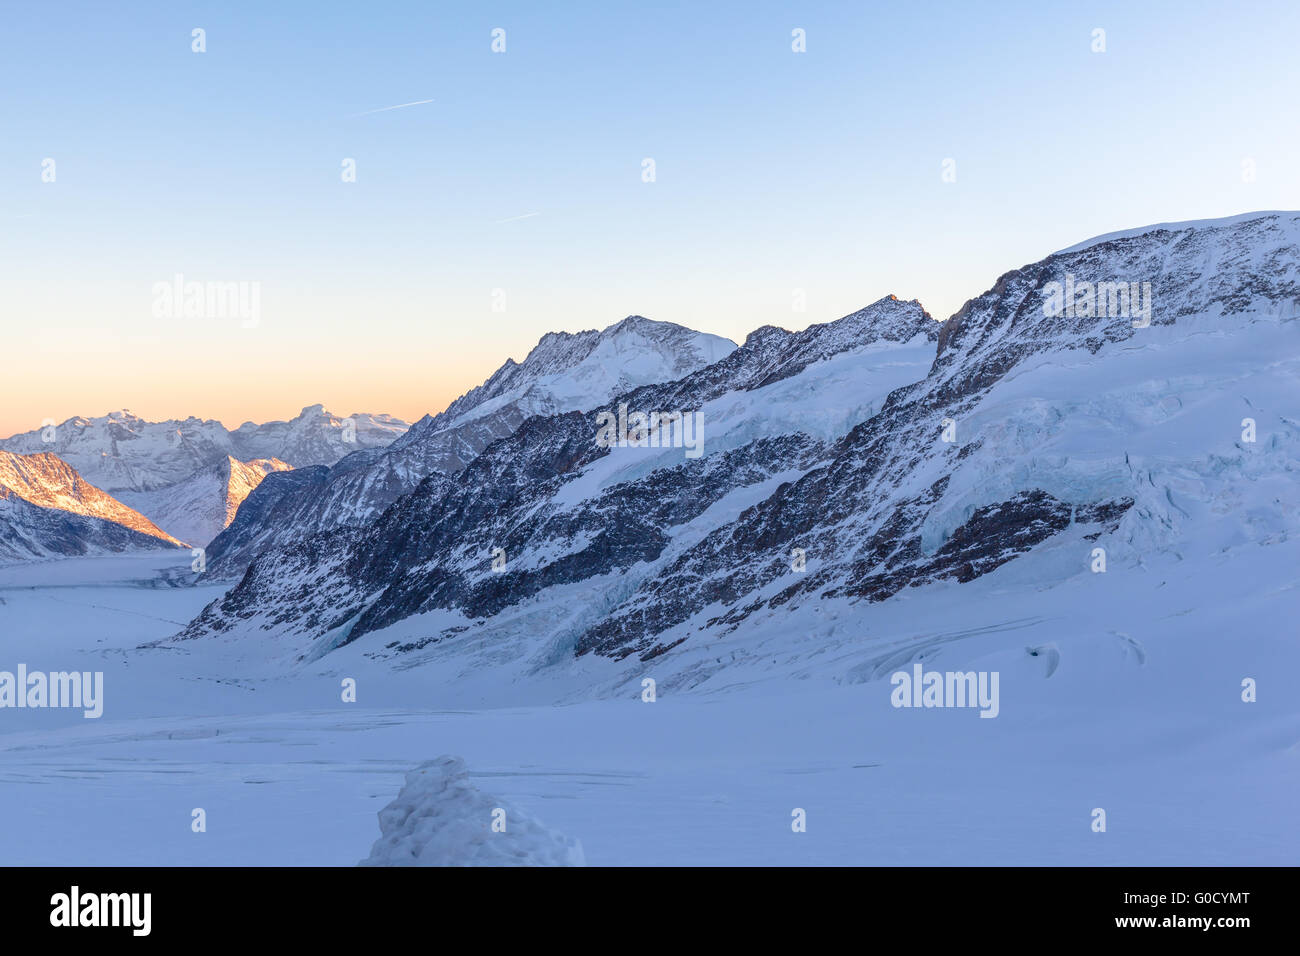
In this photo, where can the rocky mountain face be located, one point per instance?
(315, 437)
(48, 510)
(563, 372)
(122, 452)
(851, 462)
(897, 506)
(764, 423)
(198, 508)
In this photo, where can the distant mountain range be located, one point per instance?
(188, 477)
(122, 452)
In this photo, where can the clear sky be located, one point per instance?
(774, 171)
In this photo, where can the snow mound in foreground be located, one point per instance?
(441, 819)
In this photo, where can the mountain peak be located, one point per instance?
(653, 328)
(765, 335)
(889, 317)
(1188, 225)
(634, 322)
(45, 481)
(1123, 282)
(580, 369)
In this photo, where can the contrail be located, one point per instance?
(527, 215)
(399, 106)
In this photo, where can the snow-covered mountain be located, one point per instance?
(842, 466)
(122, 452)
(47, 509)
(563, 372)
(581, 503)
(198, 508)
(315, 437)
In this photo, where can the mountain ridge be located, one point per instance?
(50, 509)
(870, 495)
(564, 371)
(120, 451)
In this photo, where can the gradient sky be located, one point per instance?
(775, 171)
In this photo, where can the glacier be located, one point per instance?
(1111, 530)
